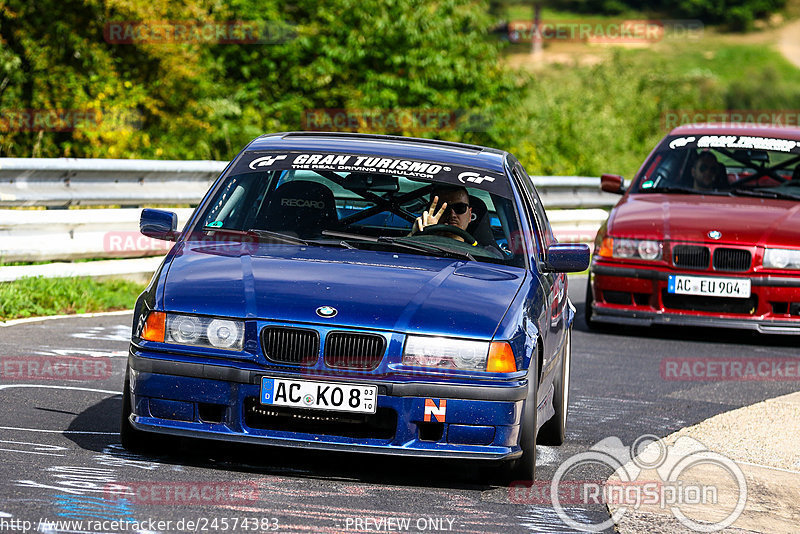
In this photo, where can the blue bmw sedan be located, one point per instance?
(360, 293)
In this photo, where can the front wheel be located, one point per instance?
(523, 469)
(554, 431)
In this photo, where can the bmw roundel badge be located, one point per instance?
(327, 311)
(714, 234)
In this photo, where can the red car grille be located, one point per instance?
(732, 259)
(691, 257)
(700, 257)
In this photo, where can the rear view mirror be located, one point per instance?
(159, 224)
(612, 183)
(761, 156)
(377, 183)
(567, 257)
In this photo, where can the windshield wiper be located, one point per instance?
(425, 247)
(416, 246)
(261, 234)
(684, 190)
(671, 189)
(762, 193)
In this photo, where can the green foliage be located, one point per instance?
(738, 15)
(182, 101)
(30, 297)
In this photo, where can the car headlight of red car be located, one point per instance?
(638, 249)
(192, 330)
(781, 258)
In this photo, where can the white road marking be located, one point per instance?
(73, 388)
(47, 431)
(50, 317)
(32, 452)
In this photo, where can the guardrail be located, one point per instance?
(63, 182)
(59, 234)
(39, 235)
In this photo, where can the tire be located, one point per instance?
(554, 431)
(132, 440)
(523, 469)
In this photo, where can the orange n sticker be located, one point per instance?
(438, 412)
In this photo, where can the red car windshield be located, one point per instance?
(681, 168)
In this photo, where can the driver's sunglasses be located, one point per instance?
(704, 167)
(459, 207)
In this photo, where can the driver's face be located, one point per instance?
(450, 216)
(703, 172)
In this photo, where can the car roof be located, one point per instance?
(389, 145)
(756, 130)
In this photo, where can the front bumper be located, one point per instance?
(638, 296)
(221, 402)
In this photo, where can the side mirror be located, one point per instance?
(159, 224)
(567, 258)
(612, 183)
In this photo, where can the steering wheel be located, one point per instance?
(449, 229)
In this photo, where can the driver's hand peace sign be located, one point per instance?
(428, 217)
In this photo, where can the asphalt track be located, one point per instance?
(60, 457)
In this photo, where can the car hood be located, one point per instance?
(740, 220)
(376, 290)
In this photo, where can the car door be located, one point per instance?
(554, 285)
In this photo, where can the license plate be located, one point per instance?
(710, 287)
(319, 395)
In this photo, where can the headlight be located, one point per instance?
(638, 249)
(446, 353)
(781, 258)
(462, 354)
(193, 330)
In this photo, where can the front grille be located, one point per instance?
(732, 259)
(299, 346)
(347, 350)
(380, 425)
(691, 257)
(702, 303)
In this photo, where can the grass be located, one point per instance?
(29, 297)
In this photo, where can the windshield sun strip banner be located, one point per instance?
(747, 142)
(435, 171)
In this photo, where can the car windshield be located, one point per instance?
(363, 210)
(724, 165)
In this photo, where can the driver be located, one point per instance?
(454, 210)
(704, 171)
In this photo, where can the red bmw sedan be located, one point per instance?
(707, 234)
